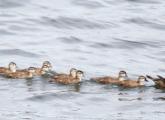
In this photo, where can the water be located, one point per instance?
(100, 37)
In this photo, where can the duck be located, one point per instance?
(22, 74)
(47, 63)
(111, 80)
(46, 67)
(133, 83)
(11, 68)
(72, 73)
(67, 79)
(159, 81)
(41, 71)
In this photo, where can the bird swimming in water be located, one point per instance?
(11, 68)
(133, 83)
(111, 80)
(69, 79)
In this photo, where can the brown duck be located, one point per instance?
(72, 73)
(67, 79)
(111, 80)
(41, 71)
(22, 74)
(11, 68)
(159, 81)
(46, 67)
(47, 63)
(134, 83)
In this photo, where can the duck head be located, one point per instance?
(12, 66)
(79, 74)
(48, 64)
(31, 71)
(141, 80)
(44, 69)
(73, 72)
(122, 75)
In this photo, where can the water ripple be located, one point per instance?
(12, 4)
(69, 23)
(99, 37)
(101, 45)
(18, 52)
(70, 40)
(144, 1)
(123, 44)
(146, 23)
(135, 44)
(5, 32)
(88, 3)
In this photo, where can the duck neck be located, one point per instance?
(122, 78)
(141, 83)
(12, 69)
(78, 78)
(73, 75)
(30, 74)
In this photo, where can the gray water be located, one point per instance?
(100, 37)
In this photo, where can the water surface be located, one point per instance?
(100, 37)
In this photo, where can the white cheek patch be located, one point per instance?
(122, 78)
(13, 69)
(142, 82)
(45, 69)
(73, 74)
(123, 75)
(80, 77)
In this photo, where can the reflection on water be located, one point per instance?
(100, 37)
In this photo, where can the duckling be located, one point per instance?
(41, 71)
(71, 74)
(111, 80)
(159, 82)
(134, 83)
(46, 67)
(11, 68)
(66, 79)
(47, 63)
(22, 74)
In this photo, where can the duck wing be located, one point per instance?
(105, 80)
(64, 79)
(59, 75)
(3, 69)
(19, 74)
(130, 83)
